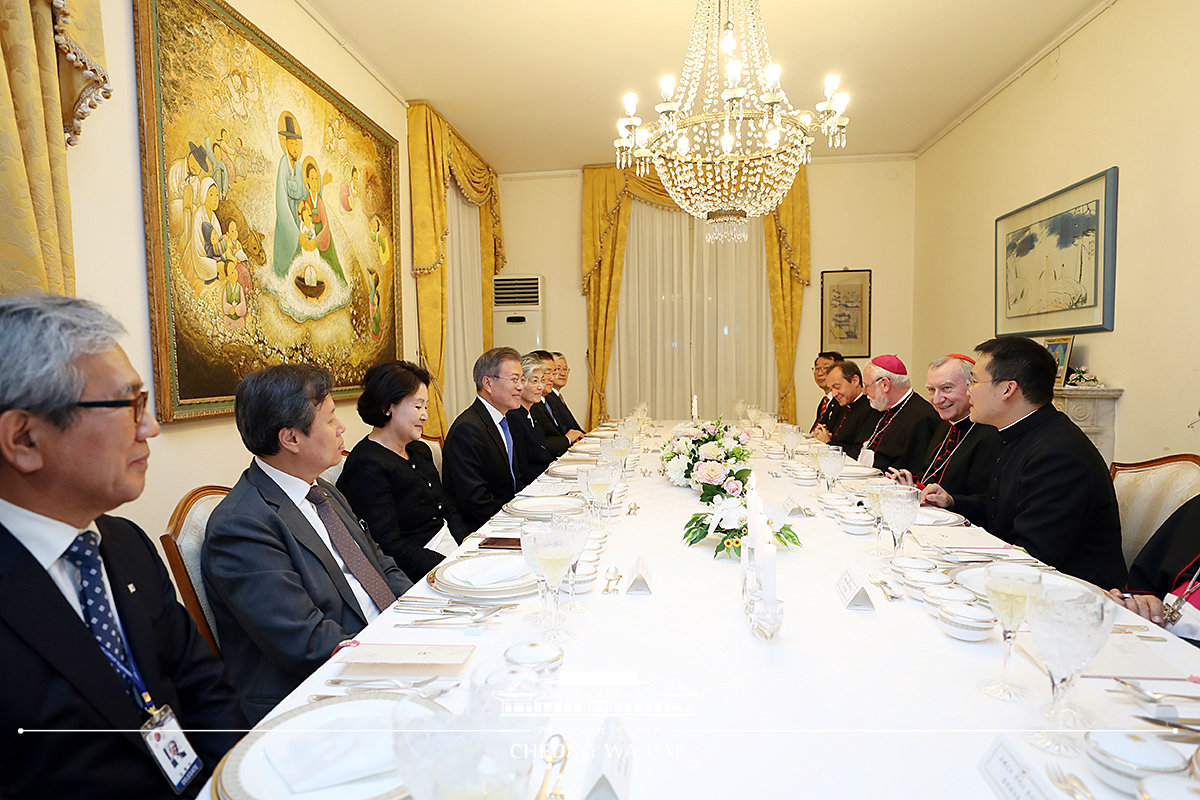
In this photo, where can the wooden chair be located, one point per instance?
(1150, 491)
(333, 473)
(181, 543)
(435, 447)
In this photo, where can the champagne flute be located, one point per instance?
(552, 550)
(1009, 589)
(573, 523)
(900, 505)
(832, 461)
(874, 492)
(1069, 625)
(541, 617)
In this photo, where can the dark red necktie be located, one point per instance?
(351, 553)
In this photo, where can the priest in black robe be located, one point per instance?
(1169, 563)
(857, 418)
(1051, 493)
(902, 434)
(962, 453)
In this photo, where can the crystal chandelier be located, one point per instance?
(727, 143)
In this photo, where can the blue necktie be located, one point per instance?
(84, 553)
(550, 411)
(508, 445)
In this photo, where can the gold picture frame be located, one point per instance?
(271, 212)
(846, 312)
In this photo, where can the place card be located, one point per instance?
(402, 660)
(640, 582)
(791, 506)
(854, 597)
(1008, 774)
(609, 769)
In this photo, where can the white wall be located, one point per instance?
(861, 217)
(110, 251)
(542, 215)
(1120, 92)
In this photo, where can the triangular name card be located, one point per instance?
(640, 582)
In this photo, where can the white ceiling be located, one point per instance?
(536, 85)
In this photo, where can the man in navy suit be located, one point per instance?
(289, 571)
(73, 445)
(482, 460)
(554, 399)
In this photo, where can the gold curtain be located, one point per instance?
(607, 192)
(48, 89)
(787, 241)
(435, 152)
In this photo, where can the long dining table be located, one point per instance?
(842, 703)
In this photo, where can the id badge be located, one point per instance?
(866, 457)
(172, 751)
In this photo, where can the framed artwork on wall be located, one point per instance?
(1060, 348)
(271, 212)
(1056, 261)
(846, 312)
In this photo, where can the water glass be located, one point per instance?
(767, 422)
(482, 770)
(790, 434)
(752, 414)
(739, 409)
(540, 618)
(874, 492)
(832, 460)
(900, 505)
(573, 523)
(552, 551)
(1009, 588)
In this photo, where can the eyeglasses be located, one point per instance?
(534, 381)
(1194, 422)
(976, 381)
(515, 380)
(138, 404)
(820, 370)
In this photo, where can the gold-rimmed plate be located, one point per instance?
(543, 507)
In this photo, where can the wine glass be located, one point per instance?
(899, 505)
(541, 617)
(606, 448)
(585, 490)
(832, 461)
(621, 445)
(767, 422)
(572, 522)
(739, 409)
(1009, 588)
(752, 414)
(491, 769)
(814, 456)
(874, 492)
(600, 482)
(1069, 625)
(790, 434)
(552, 551)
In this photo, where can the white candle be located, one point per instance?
(758, 532)
(768, 571)
(695, 412)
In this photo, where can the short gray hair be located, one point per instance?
(898, 380)
(557, 355)
(41, 338)
(962, 364)
(530, 362)
(489, 363)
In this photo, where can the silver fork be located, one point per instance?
(1071, 784)
(887, 589)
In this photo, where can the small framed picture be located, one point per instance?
(846, 312)
(1060, 348)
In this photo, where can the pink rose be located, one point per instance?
(710, 472)
(733, 487)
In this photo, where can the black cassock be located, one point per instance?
(901, 436)
(961, 457)
(1170, 556)
(1052, 495)
(829, 414)
(856, 423)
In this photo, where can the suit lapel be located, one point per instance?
(304, 533)
(493, 430)
(32, 605)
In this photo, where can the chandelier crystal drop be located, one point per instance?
(727, 144)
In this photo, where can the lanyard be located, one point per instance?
(134, 676)
(942, 470)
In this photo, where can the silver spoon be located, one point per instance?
(1152, 697)
(555, 751)
(612, 574)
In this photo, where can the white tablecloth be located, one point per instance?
(842, 704)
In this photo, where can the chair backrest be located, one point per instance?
(333, 473)
(1150, 491)
(181, 543)
(435, 447)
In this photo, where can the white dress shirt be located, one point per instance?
(297, 491)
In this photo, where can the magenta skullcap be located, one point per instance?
(890, 363)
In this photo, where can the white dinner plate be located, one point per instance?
(471, 593)
(928, 515)
(543, 507)
(972, 578)
(247, 774)
(503, 571)
(858, 471)
(568, 471)
(586, 447)
(601, 433)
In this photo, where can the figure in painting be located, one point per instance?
(320, 216)
(289, 191)
(183, 188)
(348, 194)
(380, 238)
(197, 261)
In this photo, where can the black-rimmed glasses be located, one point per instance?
(138, 404)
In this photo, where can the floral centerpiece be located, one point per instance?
(1080, 376)
(710, 457)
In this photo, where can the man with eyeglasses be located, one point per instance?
(482, 457)
(92, 638)
(829, 410)
(856, 419)
(902, 433)
(554, 399)
(557, 434)
(1051, 493)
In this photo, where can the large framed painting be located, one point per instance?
(1056, 261)
(271, 212)
(846, 312)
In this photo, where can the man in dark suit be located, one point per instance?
(289, 571)
(1051, 492)
(829, 411)
(554, 399)
(901, 436)
(73, 445)
(481, 459)
(857, 419)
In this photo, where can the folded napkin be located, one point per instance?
(543, 488)
(337, 752)
(958, 537)
(442, 542)
(1123, 656)
(482, 572)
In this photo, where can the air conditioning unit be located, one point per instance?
(518, 312)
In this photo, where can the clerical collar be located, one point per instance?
(1026, 423)
(1022, 419)
(958, 422)
(901, 401)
